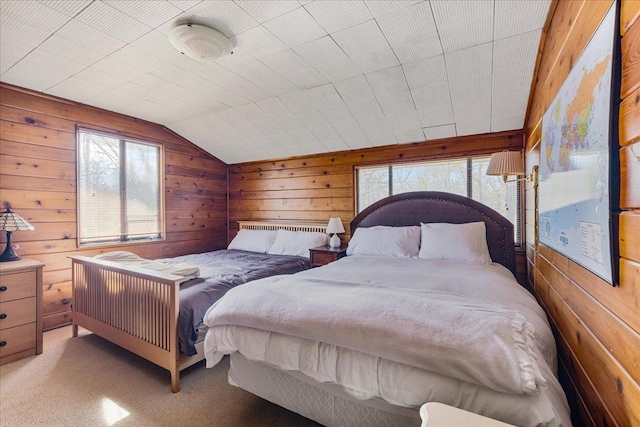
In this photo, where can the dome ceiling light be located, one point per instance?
(200, 43)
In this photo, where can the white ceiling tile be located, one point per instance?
(157, 44)
(253, 113)
(270, 128)
(427, 97)
(404, 122)
(358, 142)
(408, 23)
(295, 28)
(138, 58)
(383, 7)
(516, 51)
(149, 12)
(327, 57)
(323, 96)
(313, 119)
(76, 89)
(438, 132)
(13, 30)
(471, 87)
(338, 15)
(349, 130)
(296, 101)
(274, 108)
(290, 66)
(510, 104)
(185, 4)
(304, 137)
(233, 117)
(285, 140)
(113, 22)
(251, 131)
(55, 62)
(396, 103)
(462, 24)
(472, 116)
(436, 115)
(32, 75)
(354, 89)
(64, 48)
(118, 68)
(238, 58)
(469, 62)
(521, 18)
(68, 7)
(378, 132)
(336, 145)
(35, 14)
(11, 53)
(388, 80)
(326, 134)
(266, 78)
(419, 47)
(89, 37)
(409, 136)
(365, 109)
(366, 46)
(264, 10)
(258, 42)
(224, 16)
(338, 114)
(290, 124)
(499, 124)
(426, 72)
(511, 80)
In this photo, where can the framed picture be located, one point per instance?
(575, 192)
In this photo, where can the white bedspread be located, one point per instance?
(365, 375)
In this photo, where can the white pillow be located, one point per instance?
(385, 241)
(297, 243)
(253, 240)
(455, 242)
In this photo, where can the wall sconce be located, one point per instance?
(335, 226)
(10, 222)
(507, 163)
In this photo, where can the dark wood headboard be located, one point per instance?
(433, 206)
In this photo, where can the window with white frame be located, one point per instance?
(465, 176)
(119, 189)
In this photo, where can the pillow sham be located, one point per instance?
(297, 243)
(455, 242)
(253, 240)
(385, 241)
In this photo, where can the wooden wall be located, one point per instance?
(597, 326)
(38, 181)
(321, 186)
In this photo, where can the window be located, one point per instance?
(465, 177)
(119, 189)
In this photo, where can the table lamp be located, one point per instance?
(335, 226)
(10, 222)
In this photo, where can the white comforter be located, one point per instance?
(365, 375)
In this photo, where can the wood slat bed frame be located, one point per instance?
(138, 309)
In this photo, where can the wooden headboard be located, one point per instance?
(274, 225)
(433, 206)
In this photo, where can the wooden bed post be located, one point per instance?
(174, 345)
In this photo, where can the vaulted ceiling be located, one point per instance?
(305, 76)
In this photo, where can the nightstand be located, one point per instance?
(323, 255)
(20, 309)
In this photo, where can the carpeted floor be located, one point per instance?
(87, 381)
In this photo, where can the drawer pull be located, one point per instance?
(3, 343)
(3, 316)
(3, 288)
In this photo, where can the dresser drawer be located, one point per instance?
(17, 285)
(20, 338)
(18, 312)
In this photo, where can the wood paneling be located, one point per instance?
(596, 325)
(318, 187)
(37, 179)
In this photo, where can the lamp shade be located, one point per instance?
(199, 42)
(506, 163)
(11, 221)
(335, 226)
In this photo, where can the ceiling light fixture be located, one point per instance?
(200, 43)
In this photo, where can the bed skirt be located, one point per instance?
(324, 403)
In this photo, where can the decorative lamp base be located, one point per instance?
(9, 254)
(335, 241)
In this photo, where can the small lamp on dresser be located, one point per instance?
(10, 222)
(334, 227)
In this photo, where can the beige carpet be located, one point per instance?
(87, 381)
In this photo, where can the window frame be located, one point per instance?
(518, 228)
(123, 138)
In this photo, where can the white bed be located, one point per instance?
(346, 344)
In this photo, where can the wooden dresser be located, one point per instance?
(20, 309)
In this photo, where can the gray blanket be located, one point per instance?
(220, 271)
